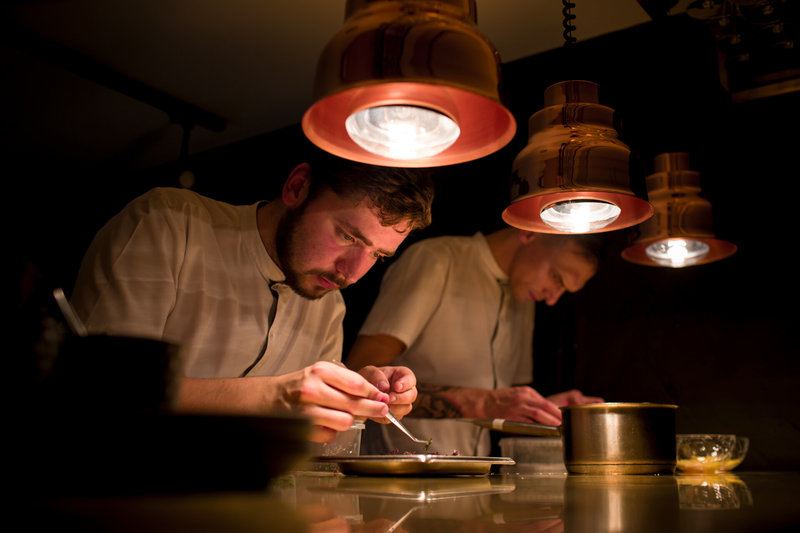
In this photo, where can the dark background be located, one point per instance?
(714, 339)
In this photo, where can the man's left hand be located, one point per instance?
(398, 382)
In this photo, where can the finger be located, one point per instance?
(330, 419)
(407, 397)
(546, 406)
(322, 434)
(316, 393)
(346, 380)
(401, 410)
(377, 377)
(544, 413)
(545, 418)
(402, 378)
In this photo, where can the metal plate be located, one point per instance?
(415, 464)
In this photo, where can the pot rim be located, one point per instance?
(621, 405)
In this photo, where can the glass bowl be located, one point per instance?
(738, 454)
(704, 452)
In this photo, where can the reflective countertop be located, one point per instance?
(328, 502)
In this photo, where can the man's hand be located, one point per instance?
(333, 396)
(398, 382)
(573, 397)
(328, 393)
(522, 404)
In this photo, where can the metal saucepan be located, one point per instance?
(608, 438)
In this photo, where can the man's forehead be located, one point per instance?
(358, 212)
(575, 265)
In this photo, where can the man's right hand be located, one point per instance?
(522, 404)
(331, 395)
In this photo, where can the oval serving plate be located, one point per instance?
(415, 464)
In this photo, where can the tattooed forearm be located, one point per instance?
(432, 402)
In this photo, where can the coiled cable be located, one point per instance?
(569, 27)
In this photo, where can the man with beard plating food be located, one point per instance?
(251, 293)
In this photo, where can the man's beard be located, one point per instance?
(287, 243)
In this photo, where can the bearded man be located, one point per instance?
(251, 293)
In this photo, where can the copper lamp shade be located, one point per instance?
(680, 233)
(574, 174)
(397, 58)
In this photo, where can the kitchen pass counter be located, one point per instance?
(324, 501)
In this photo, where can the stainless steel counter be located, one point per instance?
(325, 502)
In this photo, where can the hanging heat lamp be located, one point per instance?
(574, 174)
(680, 233)
(409, 83)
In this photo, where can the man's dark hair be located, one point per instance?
(398, 193)
(593, 245)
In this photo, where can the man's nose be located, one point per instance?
(553, 295)
(354, 264)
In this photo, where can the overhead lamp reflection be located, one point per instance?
(680, 233)
(574, 174)
(409, 83)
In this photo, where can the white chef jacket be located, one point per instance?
(177, 266)
(448, 301)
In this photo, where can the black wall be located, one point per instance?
(715, 339)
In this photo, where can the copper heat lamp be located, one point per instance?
(409, 83)
(680, 233)
(574, 174)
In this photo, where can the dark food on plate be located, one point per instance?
(398, 452)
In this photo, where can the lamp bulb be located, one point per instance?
(402, 131)
(677, 252)
(580, 216)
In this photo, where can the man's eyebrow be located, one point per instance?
(355, 232)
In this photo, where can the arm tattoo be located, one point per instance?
(432, 403)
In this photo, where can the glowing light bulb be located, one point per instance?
(402, 132)
(677, 252)
(580, 216)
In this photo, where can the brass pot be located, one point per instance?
(619, 438)
(608, 438)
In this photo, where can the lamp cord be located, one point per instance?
(187, 132)
(569, 27)
(186, 177)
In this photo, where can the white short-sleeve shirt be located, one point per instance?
(448, 301)
(177, 266)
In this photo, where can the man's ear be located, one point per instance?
(526, 236)
(295, 189)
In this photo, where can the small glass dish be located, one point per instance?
(738, 454)
(703, 452)
(346, 442)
